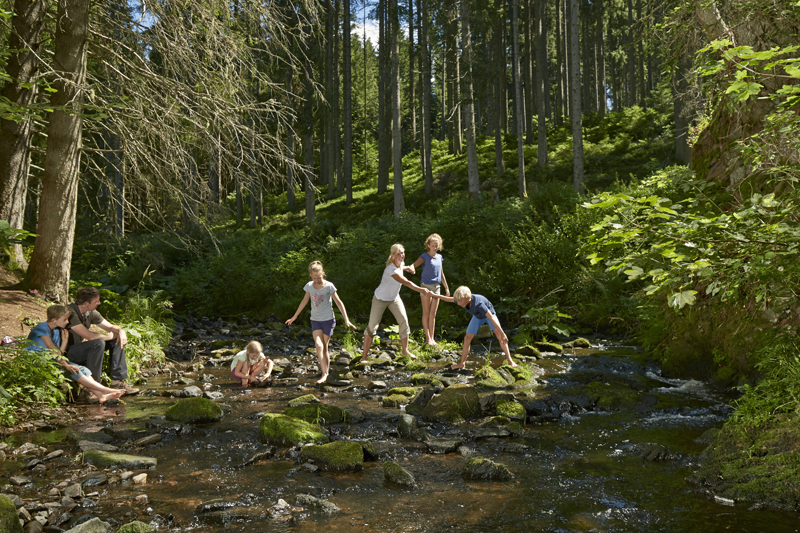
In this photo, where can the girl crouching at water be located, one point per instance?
(248, 364)
(321, 292)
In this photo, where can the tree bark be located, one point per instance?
(347, 167)
(601, 60)
(384, 139)
(52, 252)
(308, 144)
(15, 137)
(426, 100)
(560, 60)
(397, 144)
(518, 98)
(575, 102)
(499, 82)
(473, 179)
(542, 81)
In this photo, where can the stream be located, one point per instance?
(577, 468)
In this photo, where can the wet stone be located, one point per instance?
(394, 473)
(376, 385)
(150, 439)
(53, 455)
(325, 506)
(95, 480)
(73, 491)
(488, 432)
(32, 463)
(444, 444)
(20, 480)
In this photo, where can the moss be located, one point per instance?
(9, 521)
(137, 527)
(416, 366)
(612, 395)
(303, 400)
(284, 430)
(425, 379)
(395, 473)
(520, 373)
(482, 468)
(454, 405)
(103, 459)
(405, 391)
(511, 410)
(339, 456)
(395, 400)
(580, 342)
(516, 428)
(495, 422)
(548, 347)
(488, 378)
(318, 413)
(528, 351)
(194, 411)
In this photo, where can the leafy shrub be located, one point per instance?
(27, 379)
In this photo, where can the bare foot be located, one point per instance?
(102, 398)
(322, 379)
(412, 356)
(512, 364)
(431, 342)
(458, 366)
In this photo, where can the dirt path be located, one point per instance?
(18, 312)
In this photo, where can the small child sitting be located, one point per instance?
(49, 336)
(482, 313)
(248, 364)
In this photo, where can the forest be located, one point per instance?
(596, 167)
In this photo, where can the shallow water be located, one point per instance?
(573, 475)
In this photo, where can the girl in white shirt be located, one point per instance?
(248, 364)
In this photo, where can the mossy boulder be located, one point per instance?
(615, 395)
(9, 521)
(488, 378)
(580, 342)
(394, 473)
(285, 430)
(405, 391)
(482, 468)
(519, 372)
(548, 347)
(511, 410)
(103, 459)
(137, 527)
(528, 351)
(303, 400)
(339, 456)
(318, 413)
(194, 411)
(454, 405)
(516, 428)
(425, 379)
(395, 400)
(416, 366)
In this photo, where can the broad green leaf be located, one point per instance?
(682, 299)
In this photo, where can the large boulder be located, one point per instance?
(103, 459)
(95, 525)
(194, 411)
(394, 473)
(137, 527)
(511, 409)
(488, 378)
(318, 413)
(482, 468)
(9, 521)
(453, 405)
(285, 430)
(339, 456)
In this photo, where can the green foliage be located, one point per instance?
(27, 379)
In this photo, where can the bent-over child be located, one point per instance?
(482, 313)
(432, 279)
(321, 292)
(50, 336)
(248, 364)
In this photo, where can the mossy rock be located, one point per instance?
(453, 405)
(520, 372)
(511, 410)
(394, 473)
(405, 391)
(275, 326)
(103, 459)
(339, 456)
(528, 351)
(548, 347)
(395, 400)
(482, 468)
(9, 521)
(614, 395)
(137, 527)
(495, 422)
(515, 428)
(284, 430)
(318, 413)
(194, 411)
(370, 451)
(425, 379)
(416, 366)
(488, 378)
(306, 399)
(580, 342)
(402, 360)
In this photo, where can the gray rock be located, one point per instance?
(310, 501)
(394, 473)
(192, 391)
(34, 526)
(20, 480)
(407, 425)
(444, 444)
(651, 451)
(52, 455)
(213, 395)
(487, 432)
(150, 439)
(96, 436)
(376, 385)
(103, 459)
(482, 468)
(95, 525)
(95, 480)
(73, 491)
(86, 445)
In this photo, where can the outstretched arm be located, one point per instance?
(410, 284)
(444, 282)
(340, 305)
(299, 308)
(445, 298)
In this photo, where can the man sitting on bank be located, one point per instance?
(87, 347)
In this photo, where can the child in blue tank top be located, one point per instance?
(432, 279)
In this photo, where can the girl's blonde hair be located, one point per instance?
(254, 347)
(395, 248)
(316, 267)
(462, 293)
(434, 237)
(54, 312)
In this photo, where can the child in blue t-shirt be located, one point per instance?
(432, 279)
(49, 336)
(482, 313)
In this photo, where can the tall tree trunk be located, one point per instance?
(680, 90)
(347, 167)
(640, 55)
(397, 144)
(560, 60)
(412, 109)
(328, 146)
(575, 101)
(308, 143)
(384, 139)
(426, 99)
(290, 135)
(542, 81)
(601, 60)
(15, 137)
(499, 53)
(527, 58)
(518, 98)
(337, 134)
(631, 59)
(469, 114)
(52, 252)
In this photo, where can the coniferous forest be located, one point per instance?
(609, 169)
